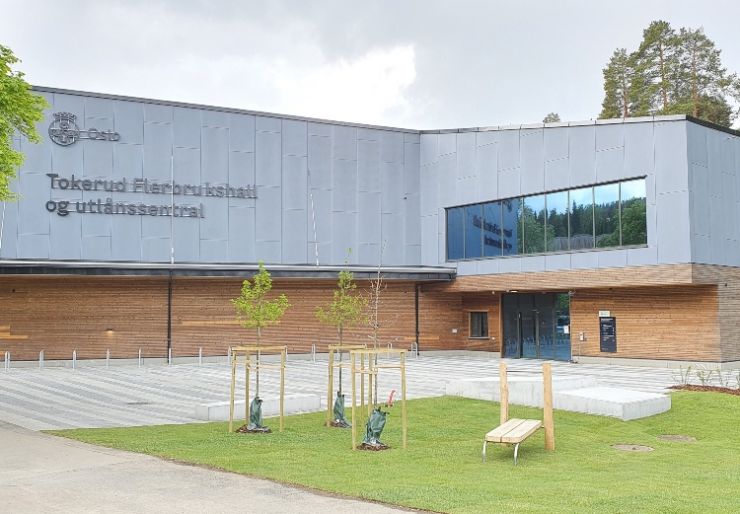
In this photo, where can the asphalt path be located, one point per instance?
(40, 473)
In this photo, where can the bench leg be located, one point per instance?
(484, 450)
(516, 453)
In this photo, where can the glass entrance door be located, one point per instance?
(536, 326)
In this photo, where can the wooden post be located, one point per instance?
(283, 355)
(246, 389)
(547, 415)
(231, 396)
(404, 424)
(504, 400)
(354, 399)
(330, 392)
(362, 382)
(247, 374)
(370, 379)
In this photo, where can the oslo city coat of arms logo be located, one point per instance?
(64, 130)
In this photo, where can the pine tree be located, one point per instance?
(656, 62)
(702, 85)
(670, 73)
(618, 85)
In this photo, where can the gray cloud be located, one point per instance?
(476, 62)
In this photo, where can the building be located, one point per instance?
(138, 219)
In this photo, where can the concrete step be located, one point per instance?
(575, 394)
(523, 390)
(611, 401)
(294, 404)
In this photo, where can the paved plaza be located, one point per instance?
(96, 396)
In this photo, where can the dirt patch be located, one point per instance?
(711, 389)
(373, 447)
(632, 448)
(244, 429)
(677, 438)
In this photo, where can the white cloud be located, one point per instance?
(372, 88)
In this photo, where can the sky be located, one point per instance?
(415, 64)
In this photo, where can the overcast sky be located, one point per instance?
(416, 64)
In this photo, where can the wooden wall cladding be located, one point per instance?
(727, 279)
(677, 323)
(202, 316)
(482, 303)
(62, 314)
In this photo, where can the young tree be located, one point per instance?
(20, 110)
(346, 309)
(255, 310)
(552, 117)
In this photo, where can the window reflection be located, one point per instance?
(510, 226)
(606, 215)
(492, 244)
(455, 233)
(633, 211)
(603, 216)
(582, 218)
(473, 231)
(533, 224)
(557, 222)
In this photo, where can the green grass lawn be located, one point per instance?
(441, 469)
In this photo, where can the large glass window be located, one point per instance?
(602, 216)
(557, 222)
(533, 224)
(455, 241)
(633, 211)
(473, 231)
(510, 226)
(582, 218)
(492, 229)
(606, 215)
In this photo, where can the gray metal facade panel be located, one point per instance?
(537, 160)
(368, 185)
(9, 235)
(186, 128)
(714, 169)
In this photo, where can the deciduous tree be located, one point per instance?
(20, 110)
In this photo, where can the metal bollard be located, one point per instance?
(41, 359)
(313, 352)
(74, 359)
(107, 358)
(139, 357)
(200, 356)
(7, 361)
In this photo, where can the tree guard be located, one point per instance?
(335, 413)
(364, 362)
(253, 408)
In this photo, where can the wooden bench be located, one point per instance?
(513, 432)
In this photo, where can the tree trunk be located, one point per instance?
(694, 92)
(257, 371)
(340, 359)
(663, 88)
